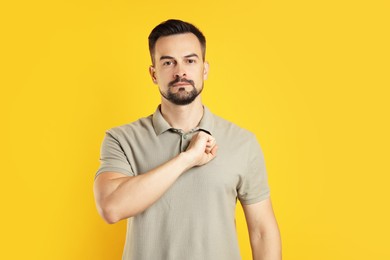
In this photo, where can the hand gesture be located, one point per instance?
(202, 149)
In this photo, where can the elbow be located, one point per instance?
(256, 236)
(110, 218)
(259, 236)
(113, 210)
(112, 213)
(109, 213)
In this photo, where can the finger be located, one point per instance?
(210, 146)
(211, 155)
(199, 141)
(210, 138)
(214, 150)
(210, 141)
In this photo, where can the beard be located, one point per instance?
(182, 97)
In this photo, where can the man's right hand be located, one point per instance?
(202, 149)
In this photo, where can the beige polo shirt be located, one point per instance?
(195, 218)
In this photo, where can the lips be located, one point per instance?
(181, 84)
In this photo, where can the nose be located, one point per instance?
(179, 71)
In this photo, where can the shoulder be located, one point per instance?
(138, 127)
(237, 143)
(228, 129)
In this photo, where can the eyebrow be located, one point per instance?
(165, 57)
(191, 55)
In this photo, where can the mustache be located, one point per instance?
(178, 79)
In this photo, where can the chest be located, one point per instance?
(219, 177)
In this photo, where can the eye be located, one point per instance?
(168, 63)
(191, 61)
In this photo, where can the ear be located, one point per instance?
(152, 72)
(206, 67)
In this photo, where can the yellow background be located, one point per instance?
(309, 78)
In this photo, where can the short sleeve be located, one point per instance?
(112, 157)
(254, 187)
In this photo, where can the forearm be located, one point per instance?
(266, 246)
(263, 231)
(129, 196)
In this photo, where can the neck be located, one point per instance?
(182, 117)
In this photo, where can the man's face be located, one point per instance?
(179, 69)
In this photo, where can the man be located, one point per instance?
(176, 175)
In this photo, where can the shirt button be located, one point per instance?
(185, 136)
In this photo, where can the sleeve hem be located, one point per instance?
(113, 169)
(256, 199)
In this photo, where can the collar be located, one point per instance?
(160, 125)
